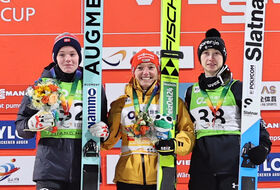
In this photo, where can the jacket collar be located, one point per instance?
(134, 84)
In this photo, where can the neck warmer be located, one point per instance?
(208, 82)
(62, 76)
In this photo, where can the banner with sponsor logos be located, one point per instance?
(183, 164)
(32, 17)
(9, 138)
(270, 169)
(273, 127)
(270, 95)
(16, 170)
(10, 98)
(119, 57)
(27, 28)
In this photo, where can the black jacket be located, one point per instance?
(219, 154)
(56, 158)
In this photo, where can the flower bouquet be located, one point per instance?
(45, 96)
(142, 127)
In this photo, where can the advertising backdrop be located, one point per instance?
(28, 29)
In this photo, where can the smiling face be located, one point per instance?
(211, 61)
(68, 59)
(146, 74)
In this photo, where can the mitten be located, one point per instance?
(42, 120)
(100, 130)
(258, 154)
(166, 147)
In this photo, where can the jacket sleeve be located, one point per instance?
(188, 96)
(104, 106)
(264, 137)
(236, 88)
(24, 114)
(114, 123)
(185, 137)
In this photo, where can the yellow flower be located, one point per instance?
(45, 94)
(53, 99)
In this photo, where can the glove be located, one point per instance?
(100, 130)
(258, 154)
(166, 147)
(42, 120)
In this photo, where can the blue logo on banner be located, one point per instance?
(270, 169)
(9, 138)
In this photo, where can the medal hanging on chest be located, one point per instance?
(215, 110)
(66, 103)
(143, 122)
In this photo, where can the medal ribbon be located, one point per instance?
(220, 101)
(66, 104)
(136, 102)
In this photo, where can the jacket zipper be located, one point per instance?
(143, 168)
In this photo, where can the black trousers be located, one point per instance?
(211, 182)
(126, 186)
(57, 185)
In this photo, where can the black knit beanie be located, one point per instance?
(213, 40)
(66, 39)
